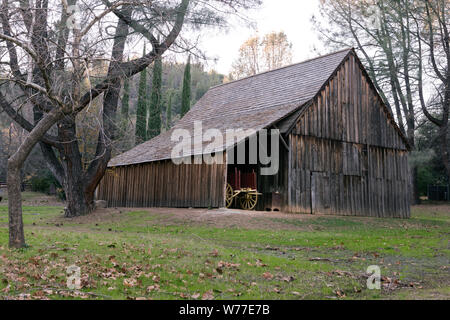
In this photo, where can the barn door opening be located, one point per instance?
(320, 193)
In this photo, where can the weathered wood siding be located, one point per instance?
(164, 184)
(346, 157)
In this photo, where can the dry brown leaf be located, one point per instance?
(340, 293)
(129, 283)
(154, 287)
(208, 295)
(268, 276)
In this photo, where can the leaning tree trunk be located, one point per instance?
(16, 233)
(15, 164)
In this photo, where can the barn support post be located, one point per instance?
(225, 174)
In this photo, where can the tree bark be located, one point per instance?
(15, 163)
(445, 153)
(16, 233)
(78, 202)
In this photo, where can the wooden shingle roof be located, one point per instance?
(255, 102)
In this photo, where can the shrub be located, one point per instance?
(43, 181)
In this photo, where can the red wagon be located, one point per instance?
(242, 187)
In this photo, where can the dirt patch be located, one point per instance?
(443, 208)
(43, 200)
(229, 218)
(219, 218)
(33, 199)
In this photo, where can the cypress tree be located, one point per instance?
(154, 121)
(126, 98)
(141, 110)
(186, 94)
(169, 110)
(125, 109)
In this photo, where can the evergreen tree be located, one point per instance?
(126, 99)
(125, 108)
(141, 110)
(186, 94)
(154, 121)
(169, 110)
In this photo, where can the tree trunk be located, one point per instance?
(78, 202)
(15, 164)
(16, 233)
(415, 195)
(445, 156)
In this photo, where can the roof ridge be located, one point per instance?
(284, 67)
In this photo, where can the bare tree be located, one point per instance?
(277, 50)
(51, 47)
(249, 59)
(257, 54)
(432, 21)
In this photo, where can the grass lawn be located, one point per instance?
(136, 254)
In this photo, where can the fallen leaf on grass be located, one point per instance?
(288, 279)
(24, 296)
(342, 273)
(208, 295)
(38, 294)
(229, 265)
(154, 287)
(268, 276)
(319, 259)
(340, 293)
(129, 283)
(214, 253)
(259, 263)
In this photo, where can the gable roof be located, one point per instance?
(255, 102)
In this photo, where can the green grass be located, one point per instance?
(142, 254)
(26, 196)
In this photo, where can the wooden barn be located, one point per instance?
(340, 150)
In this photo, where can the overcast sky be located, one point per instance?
(291, 16)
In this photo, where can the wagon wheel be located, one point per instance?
(249, 201)
(229, 196)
